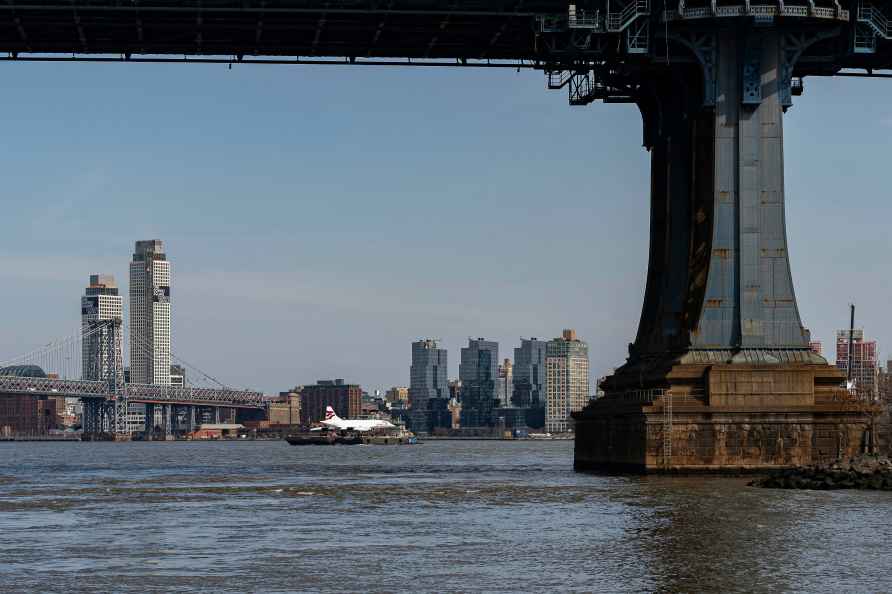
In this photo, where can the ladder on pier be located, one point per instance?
(667, 429)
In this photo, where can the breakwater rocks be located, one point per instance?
(868, 471)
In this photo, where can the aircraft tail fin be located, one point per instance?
(330, 414)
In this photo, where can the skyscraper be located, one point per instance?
(566, 373)
(150, 314)
(427, 381)
(101, 303)
(478, 372)
(529, 374)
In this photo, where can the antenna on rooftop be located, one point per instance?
(851, 340)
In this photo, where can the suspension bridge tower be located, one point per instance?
(103, 361)
(720, 351)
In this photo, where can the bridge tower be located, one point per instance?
(720, 338)
(106, 415)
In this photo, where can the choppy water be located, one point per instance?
(438, 517)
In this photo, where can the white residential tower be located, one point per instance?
(150, 314)
(567, 384)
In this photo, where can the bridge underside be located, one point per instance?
(495, 30)
(539, 32)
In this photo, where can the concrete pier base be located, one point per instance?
(725, 418)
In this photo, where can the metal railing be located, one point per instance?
(574, 19)
(875, 19)
(642, 396)
(657, 395)
(758, 10)
(617, 21)
(557, 79)
(581, 19)
(551, 23)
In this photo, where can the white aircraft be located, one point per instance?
(333, 421)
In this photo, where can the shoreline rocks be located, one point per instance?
(867, 471)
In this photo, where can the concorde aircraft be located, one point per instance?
(333, 421)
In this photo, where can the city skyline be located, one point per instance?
(381, 282)
(107, 284)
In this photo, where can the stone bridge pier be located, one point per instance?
(720, 376)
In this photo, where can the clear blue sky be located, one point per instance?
(319, 219)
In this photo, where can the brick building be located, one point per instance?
(27, 415)
(285, 410)
(345, 399)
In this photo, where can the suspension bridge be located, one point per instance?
(94, 357)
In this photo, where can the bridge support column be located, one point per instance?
(168, 421)
(176, 411)
(720, 375)
(150, 421)
(190, 416)
(217, 415)
(92, 417)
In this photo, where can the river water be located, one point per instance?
(436, 517)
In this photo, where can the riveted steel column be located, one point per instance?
(681, 203)
(719, 275)
(749, 300)
(719, 320)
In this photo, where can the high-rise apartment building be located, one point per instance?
(567, 385)
(150, 314)
(102, 342)
(505, 384)
(529, 374)
(865, 367)
(427, 381)
(478, 372)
